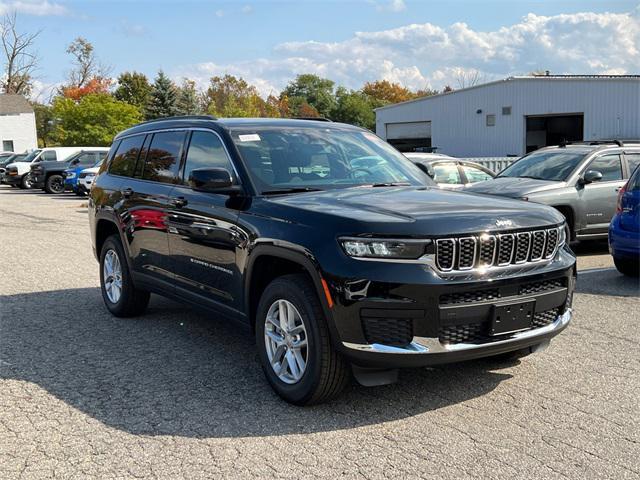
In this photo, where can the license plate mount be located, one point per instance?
(512, 317)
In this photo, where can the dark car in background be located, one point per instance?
(624, 232)
(6, 160)
(580, 179)
(325, 242)
(49, 175)
(449, 172)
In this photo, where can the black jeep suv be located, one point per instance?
(326, 243)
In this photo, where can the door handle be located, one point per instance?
(126, 192)
(179, 202)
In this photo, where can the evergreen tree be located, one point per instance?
(188, 101)
(163, 100)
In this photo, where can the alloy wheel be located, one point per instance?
(112, 274)
(285, 338)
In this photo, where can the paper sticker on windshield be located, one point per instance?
(370, 136)
(252, 137)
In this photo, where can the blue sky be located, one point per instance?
(420, 44)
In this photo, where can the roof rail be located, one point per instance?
(180, 117)
(617, 141)
(315, 119)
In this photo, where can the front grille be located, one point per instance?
(397, 332)
(470, 297)
(479, 332)
(465, 253)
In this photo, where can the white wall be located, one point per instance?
(611, 109)
(21, 129)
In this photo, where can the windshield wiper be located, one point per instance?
(390, 184)
(291, 190)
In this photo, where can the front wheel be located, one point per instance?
(120, 296)
(627, 267)
(26, 183)
(293, 342)
(54, 184)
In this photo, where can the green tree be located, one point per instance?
(188, 102)
(354, 107)
(231, 96)
(163, 99)
(93, 120)
(312, 90)
(44, 124)
(133, 88)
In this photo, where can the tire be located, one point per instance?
(627, 267)
(54, 184)
(130, 301)
(326, 372)
(25, 183)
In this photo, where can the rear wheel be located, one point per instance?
(293, 343)
(54, 184)
(627, 267)
(120, 296)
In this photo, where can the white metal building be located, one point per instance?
(516, 115)
(17, 124)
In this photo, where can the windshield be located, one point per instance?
(545, 165)
(31, 156)
(321, 158)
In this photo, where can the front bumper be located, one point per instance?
(393, 324)
(13, 179)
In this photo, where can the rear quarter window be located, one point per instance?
(126, 156)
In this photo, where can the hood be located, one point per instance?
(90, 170)
(416, 211)
(514, 187)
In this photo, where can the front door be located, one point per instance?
(599, 198)
(204, 237)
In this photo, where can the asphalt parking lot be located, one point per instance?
(176, 394)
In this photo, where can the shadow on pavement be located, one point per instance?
(590, 248)
(174, 371)
(607, 281)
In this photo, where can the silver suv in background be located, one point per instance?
(581, 180)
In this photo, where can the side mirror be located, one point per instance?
(591, 176)
(213, 180)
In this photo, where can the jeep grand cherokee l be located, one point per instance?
(334, 266)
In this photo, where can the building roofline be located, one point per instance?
(511, 79)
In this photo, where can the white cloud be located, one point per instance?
(392, 6)
(219, 13)
(41, 8)
(431, 56)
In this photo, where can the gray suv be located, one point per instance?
(581, 180)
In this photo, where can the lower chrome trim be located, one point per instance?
(428, 345)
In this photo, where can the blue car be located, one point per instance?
(71, 174)
(624, 232)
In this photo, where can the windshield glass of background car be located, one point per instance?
(548, 165)
(298, 157)
(31, 156)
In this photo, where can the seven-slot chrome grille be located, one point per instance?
(491, 250)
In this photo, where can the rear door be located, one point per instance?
(599, 198)
(145, 193)
(203, 230)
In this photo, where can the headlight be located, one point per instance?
(91, 176)
(384, 248)
(562, 234)
(70, 175)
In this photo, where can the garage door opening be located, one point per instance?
(409, 136)
(548, 130)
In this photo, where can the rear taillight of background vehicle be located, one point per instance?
(619, 202)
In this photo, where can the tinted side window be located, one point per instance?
(206, 150)
(447, 173)
(634, 182)
(88, 158)
(124, 161)
(633, 159)
(609, 166)
(49, 155)
(163, 158)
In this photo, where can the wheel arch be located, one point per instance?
(570, 214)
(267, 263)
